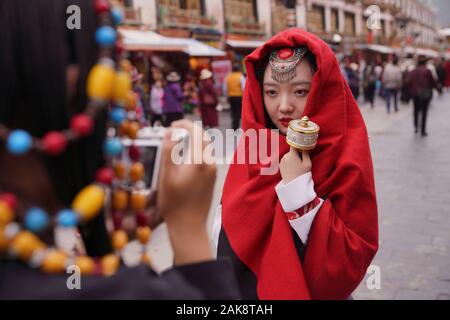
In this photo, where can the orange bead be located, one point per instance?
(119, 239)
(89, 201)
(143, 234)
(124, 128)
(109, 263)
(54, 262)
(131, 101)
(133, 130)
(145, 259)
(138, 201)
(3, 240)
(119, 170)
(86, 265)
(6, 213)
(120, 199)
(100, 82)
(137, 171)
(25, 243)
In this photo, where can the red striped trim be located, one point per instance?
(303, 210)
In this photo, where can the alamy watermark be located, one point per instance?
(73, 21)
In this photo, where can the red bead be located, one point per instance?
(82, 125)
(285, 53)
(101, 6)
(105, 175)
(141, 219)
(54, 143)
(9, 199)
(119, 47)
(134, 153)
(117, 220)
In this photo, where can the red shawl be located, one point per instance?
(344, 236)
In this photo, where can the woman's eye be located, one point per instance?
(301, 93)
(271, 93)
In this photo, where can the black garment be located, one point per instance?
(171, 117)
(209, 280)
(421, 106)
(370, 91)
(236, 110)
(156, 117)
(246, 279)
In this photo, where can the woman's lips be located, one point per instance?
(285, 122)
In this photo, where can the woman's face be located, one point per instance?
(286, 101)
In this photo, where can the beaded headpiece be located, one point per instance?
(283, 63)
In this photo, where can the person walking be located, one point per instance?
(234, 89)
(208, 100)
(173, 99)
(421, 89)
(392, 82)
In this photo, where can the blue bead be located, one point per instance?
(117, 15)
(113, 147)
(36, 220)
(19, 142)
(118, 115)
(67, 218)
(105, 36)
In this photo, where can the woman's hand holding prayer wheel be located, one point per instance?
(293, 166)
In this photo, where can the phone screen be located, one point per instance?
(149, 154)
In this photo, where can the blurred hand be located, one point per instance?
(184, 196)
(293, 166)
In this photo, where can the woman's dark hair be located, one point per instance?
(36, 47)
(261, 68)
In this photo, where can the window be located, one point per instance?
(334, 20)
(316, 19)
(349, 24)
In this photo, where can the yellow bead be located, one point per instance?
(109, 263)
(100, 82)
(86, 265)
(122, 86)
(138, 201)
(137, 171)
(6, 214)
(54, 262)
(143, 234)
(120, 199)
(89, 201)
(24, 244)
(119, 239)
(131, 101)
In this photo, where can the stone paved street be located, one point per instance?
(413, 189)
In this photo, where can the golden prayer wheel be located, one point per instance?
(302, 134)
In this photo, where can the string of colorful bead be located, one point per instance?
(104, 85)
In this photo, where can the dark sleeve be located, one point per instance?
(18, 281)
(215, 279)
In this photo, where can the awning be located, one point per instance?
(245, 43)
(377, 47)
(196, 48)
(137, 40)
(422, 52)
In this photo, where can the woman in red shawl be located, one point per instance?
(309, 231)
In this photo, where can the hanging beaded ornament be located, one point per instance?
(283, 63)
(116, 190)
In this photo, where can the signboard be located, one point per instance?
(220, 69)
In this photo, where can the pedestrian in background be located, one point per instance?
(208, 100)
(421, 90)
(173, 99)
(369, 83)
(156, 103)
(392, 82)
(234, 88)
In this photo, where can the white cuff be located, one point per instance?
(303, 224)
(296, 193)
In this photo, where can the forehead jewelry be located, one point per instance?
(283, 63)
